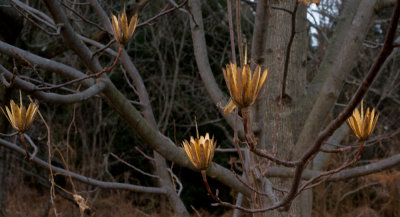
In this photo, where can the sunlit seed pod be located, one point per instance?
(123, 31)
(362, 124)
(244, 86)
(200, 151)
(20, 118)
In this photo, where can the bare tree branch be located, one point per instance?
(385, 164)
(84, 179)
(44, 63)
(116, 100)
(54, 97)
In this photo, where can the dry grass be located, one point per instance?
(25, 201)
(370, 196)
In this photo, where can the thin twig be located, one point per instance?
(214, 197)
(35, 148)
(338, 150)
(144, 155)
(231, 31)
(83, 18)
(36, 24)
(133, 167)
(309, 184)
(49, 156)
(162, 13)
(27, 156)
(87, 77)
(289, 46)
(239, 33)
(177, 181)
(8, 135)
(97, 52)
(247, 185)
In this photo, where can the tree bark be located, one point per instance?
(284, 127)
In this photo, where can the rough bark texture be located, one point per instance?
(290, 115)
(258, 57)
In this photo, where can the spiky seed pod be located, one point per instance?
(200, 151)
(122, 31)
(362, 124)
(244, 87)
(20, 118)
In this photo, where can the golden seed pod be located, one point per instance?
(122, 31)
(306, 2)
(200, 151)
(244, 87)
(20, 118)
(362, 124)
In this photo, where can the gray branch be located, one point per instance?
(354, 172)
(44, 63)
(54, 97)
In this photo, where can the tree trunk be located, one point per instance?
(285, 127)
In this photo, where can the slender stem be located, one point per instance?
(231, 32)
(197, 129)
(235, 126)
(236, 142)
(214, 197)
(359, 151)
(247, 126)
(121, 47)
(24, 144)
(239, 32)
(239, 151)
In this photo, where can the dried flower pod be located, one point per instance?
(83, 207)
(244, 87)
(362, 124)
(200, 151)
(306, 2)
(122, 31)
(20, 118)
